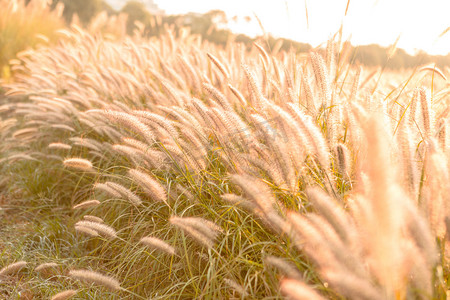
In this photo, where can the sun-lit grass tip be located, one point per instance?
(86, 204)
(46, 266)
(102, 229)
(61, 146)
(93, 219)
(96, 278)
(156, 243)
(13, 268)
(204, 231)
(64, 295)
(78, 163)
(86, 230)
(297, 290)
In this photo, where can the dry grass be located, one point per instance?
(281, 169)
(23, 26)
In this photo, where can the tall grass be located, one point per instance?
(220, 173)
(25, 25)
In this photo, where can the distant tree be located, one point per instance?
(242, 38)
(136, 11)
(399, 59)
(375, 55)
(199, 24)
(288, 44)
(218, 17)
(211, 25)
(370, 55)
(441, 60)
(108, 8)
(85, 9)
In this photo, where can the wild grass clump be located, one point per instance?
(193, 171)
(25, 25)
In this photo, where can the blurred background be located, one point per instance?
(396, 34)
(373, 25)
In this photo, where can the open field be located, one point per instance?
(172, 168)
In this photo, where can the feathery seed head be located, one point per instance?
(125, 193)
(78, 163)
(297, 290)
(219, 65)
(102, 229)
(86, 230)
(64, 295)
(61, 146)
(93, 219)
(156, 243)
(199, 230)
(256, 191)
(12, 268)
(86, 204)
(46, 266)
(107, 189)
(95, 277)
(152, 187)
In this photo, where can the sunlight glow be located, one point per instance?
(418, 23)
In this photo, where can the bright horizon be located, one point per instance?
(418, 23)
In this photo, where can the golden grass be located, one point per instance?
(348, 181)
(23, 26)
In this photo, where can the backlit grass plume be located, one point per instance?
(95, 277)
(223, 172)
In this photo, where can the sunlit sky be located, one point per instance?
(418, 22)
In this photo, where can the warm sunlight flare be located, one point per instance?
(418, 23)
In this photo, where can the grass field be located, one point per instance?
(172, 168)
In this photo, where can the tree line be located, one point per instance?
(208, 26)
